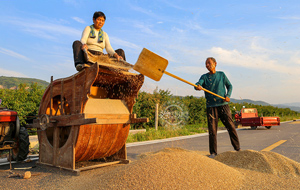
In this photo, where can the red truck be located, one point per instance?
(249, 117)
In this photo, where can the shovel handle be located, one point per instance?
(174, 76)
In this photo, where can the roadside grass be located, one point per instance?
(288, 118)
(166, 132)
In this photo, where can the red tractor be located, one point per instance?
(249, 117)
(12, 136)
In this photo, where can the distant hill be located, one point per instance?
(293, 106)
(12, 82)
(250, 102)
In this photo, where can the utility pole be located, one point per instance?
(156, 116)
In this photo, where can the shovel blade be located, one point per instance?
(151, 64)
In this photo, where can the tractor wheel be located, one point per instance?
(268, 127)
(20, 152)
(253, 127)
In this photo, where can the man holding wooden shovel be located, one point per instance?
(216, 81)
(213, 83)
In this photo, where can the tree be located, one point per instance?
(25, 100)
(196, 108)
(145, 106)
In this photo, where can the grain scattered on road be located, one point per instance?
(175, 168)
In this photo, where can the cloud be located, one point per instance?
(174, 5)
(255, 44)
(146, 28)
(4, 72)
(252, 61)
(289, 17)
(78, 20)
(177, 30)
(39, 33)
(144, 11)
(124, 43)
(295, 58)
(13, 54)
(41, 28)
(191, 69)
(72, 2)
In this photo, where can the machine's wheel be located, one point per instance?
(253, 127)
(44, 121)
(20, 152)
(268, 127)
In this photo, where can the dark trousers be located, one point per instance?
(213, 115)
(79, 54)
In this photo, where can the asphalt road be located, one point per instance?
(258, 140)
(52, 178)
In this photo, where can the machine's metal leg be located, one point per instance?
(10, 159)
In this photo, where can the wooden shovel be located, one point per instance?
(153, 66)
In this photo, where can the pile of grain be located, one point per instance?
(174, 168)
(265, 162)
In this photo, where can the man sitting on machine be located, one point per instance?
(88, 50)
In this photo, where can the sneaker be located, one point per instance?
(212, 155)
(79, 67)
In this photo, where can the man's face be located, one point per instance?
(99, 22)
(210, 65)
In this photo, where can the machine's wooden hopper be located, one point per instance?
(87, 116)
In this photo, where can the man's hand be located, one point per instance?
(84, 46)
(227, 99)
(199, 87)
(120, 58)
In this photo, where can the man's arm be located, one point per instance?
(199, 83)
(108, 47)
(229, 87)
(84, 37)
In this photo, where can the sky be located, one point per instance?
(255, 42)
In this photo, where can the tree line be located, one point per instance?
(177, 109)
(196, 108)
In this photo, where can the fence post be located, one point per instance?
(156, 116)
